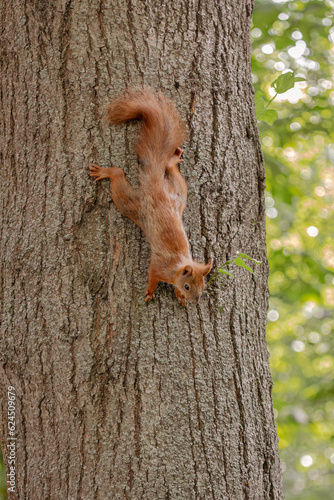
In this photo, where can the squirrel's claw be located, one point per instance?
(149, 296)
(93, 167)
(95, 171)
(180, 297)
(182, 301)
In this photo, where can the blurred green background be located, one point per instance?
(298, 145)
(298, 149)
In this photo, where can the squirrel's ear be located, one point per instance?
(187, 271)
(206, 268)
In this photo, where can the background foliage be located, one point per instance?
(297, 138)
(298, 148)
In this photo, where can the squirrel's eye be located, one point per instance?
(186, 286)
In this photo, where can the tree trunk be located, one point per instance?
(115, 398)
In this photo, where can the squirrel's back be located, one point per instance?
(162, 130)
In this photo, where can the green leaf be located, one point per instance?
(239, 262)
(245, 256)
(285, 82)
(299, 79)
(223, 271)
(258, 95)
(268, 116)
(260, 105)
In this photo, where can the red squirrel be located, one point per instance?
(159, 202)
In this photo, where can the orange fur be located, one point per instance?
(158, 204)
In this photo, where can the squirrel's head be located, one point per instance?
(190, 280)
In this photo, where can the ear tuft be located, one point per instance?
(206, 268)
(187, 271)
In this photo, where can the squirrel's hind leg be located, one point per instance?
(100, 173)
(124, 196)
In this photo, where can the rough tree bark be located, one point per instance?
(116, 398)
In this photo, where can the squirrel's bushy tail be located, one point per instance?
(162, 130)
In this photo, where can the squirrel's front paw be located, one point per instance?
(182, 300)
(149, 296)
